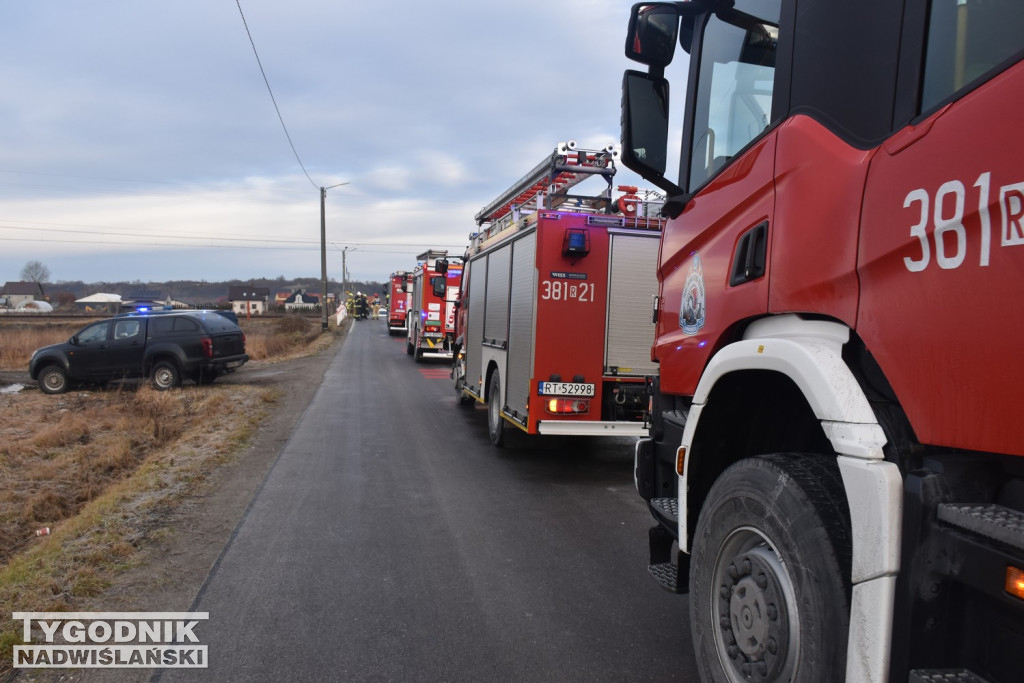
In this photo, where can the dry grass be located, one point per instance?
(279, 338)
(70, 456)
(104, 469)
(19, 340)
(102, 477)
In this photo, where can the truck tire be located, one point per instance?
(495, 422)
(770, 586)
(53, 380)
(417, 353)
(461, 397)
(165, 375)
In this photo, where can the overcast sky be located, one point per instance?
(140, 141)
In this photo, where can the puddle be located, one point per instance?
(11, 388)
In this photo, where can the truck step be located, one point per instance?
(666, 511)
(989, 520)
(667, 576)
(944, 676)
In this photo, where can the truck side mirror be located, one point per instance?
(645, 127)
(439, 285)
(651, 36)
(441, 266)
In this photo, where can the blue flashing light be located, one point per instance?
(576, 242)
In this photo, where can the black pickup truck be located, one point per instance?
(166, 347)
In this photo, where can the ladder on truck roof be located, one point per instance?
(547, 185)
(429, 258)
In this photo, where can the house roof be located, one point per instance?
(99, 298)
(145, 295)
(248, 293)
(22, 289)
(301, 297)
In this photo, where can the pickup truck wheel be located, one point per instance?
(495, 422)
(165, 375)
(770, 588)
(53, 380)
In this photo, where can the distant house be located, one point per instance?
(249, 300)
(145, 299)
(15, 293)
(100, 303)
(300, 301)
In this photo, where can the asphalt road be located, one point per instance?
(391, 542)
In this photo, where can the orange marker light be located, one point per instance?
(1015, 582)
(568, 406)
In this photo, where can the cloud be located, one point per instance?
(142, 142)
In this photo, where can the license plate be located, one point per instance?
(565, 389)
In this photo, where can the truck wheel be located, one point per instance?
(165, 375)
(495, 423)
(53, 380)
(408, 345)
(462, 398)
(770, 581)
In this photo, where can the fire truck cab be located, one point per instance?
(835, 459)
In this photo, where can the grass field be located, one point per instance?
(101, 469)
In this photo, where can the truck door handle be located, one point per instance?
(748, 262)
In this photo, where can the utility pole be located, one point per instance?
(323, 255)
(344, 270)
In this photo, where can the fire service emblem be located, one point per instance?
(691, 310)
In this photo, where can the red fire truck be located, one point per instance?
(835, 459)
(399, 294)
(431, 315)
(554, 326)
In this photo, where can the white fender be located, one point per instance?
(809, 352)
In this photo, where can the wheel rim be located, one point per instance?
(163, 377)
(754, 610)
(53, 381)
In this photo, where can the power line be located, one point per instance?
(180, 236)
(235, 242)
(394, 248)
(272, 99)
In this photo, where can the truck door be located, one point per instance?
(943, 236)
(126, 347)
(88, 359)
(731, 164)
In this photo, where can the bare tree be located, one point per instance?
(35, 271)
